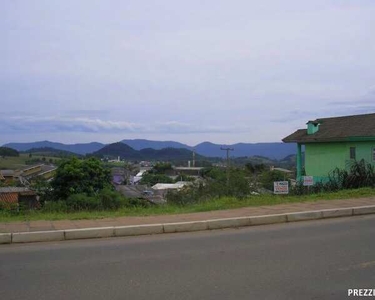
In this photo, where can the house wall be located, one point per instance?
(322, 158)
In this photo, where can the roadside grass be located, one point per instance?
(210, 205)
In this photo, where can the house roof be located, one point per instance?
(8, 172)
(13, 189)
(169, 186)
(9, 198)
(337, 129)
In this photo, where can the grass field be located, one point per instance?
(214, 204)
(19, 162)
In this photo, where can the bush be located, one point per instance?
(267, 178)
(161, 168)
(107, 199)
(6, 206)
(188, 195)
(360, 174)
(78, 202)
(110, 199)
(216, 186)
(55, 206)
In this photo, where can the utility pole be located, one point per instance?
(227, 166)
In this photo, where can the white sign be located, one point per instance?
(280, 187)
(308, 180)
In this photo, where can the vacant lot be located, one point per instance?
(209, 205)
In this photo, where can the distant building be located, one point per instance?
(18, 196)
(170, 186)
(9, 176)
(27, 174)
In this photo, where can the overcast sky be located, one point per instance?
(224, 71)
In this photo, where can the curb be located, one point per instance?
(134, 230)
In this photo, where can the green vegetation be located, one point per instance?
(5, 151)
(135, 209)
(161, 168)
(152, 179)
(360, 174)
(81, 189)
(24, 160)
(267, 178)
(75, 176)
(51, 152)
(80, 184)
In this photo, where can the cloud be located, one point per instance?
(57, 124)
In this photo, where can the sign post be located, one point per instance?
(281, 187)
(308, 180)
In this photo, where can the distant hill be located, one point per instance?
(118, 149)
(139, 144)
(207, 149)
(75, 148)
(269, 150)
(169, 154)
(126, 152)
(48, 151)
(7, 151)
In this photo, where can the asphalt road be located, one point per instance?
(306, 260)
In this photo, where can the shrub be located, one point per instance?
(360, 174)
(187, 195)
(161, 168)
(78, 202)
(110, 199)
(107, 199)
(216, 186)
(6, 206)
(267, 178)
(55, 206)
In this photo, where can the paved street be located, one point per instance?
(305, 260)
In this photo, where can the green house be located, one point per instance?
(334, 143)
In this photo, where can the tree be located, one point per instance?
(152, 179)
(267, 178)
(162, 168)
(76, 176)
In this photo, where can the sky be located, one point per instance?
(190, 71)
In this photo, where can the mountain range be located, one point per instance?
(208, 149)
(126, 152)
(83, 148)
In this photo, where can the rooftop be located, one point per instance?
(13, 189)
(337, 129)
(169, 186)
(188, 168)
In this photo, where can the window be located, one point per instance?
(352, 152)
